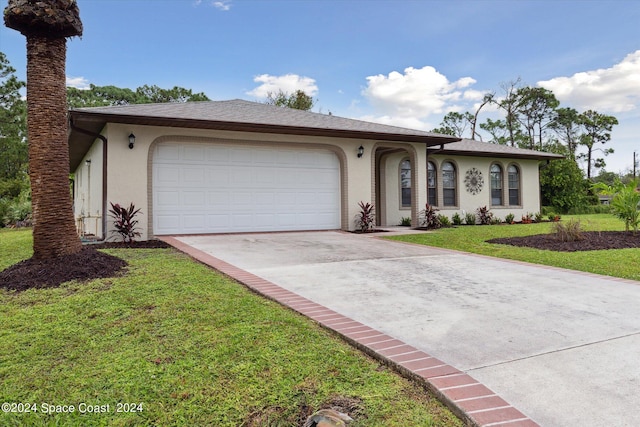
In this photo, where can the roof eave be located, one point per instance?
(527, 156)
(257, 127)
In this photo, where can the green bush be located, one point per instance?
(16, 211)
(624, 203)
(405, 221)
(590, 210)
(470, 218)
(456, 219)
(444, 220)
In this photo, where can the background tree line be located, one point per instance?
(532, 118)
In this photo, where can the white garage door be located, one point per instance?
(211, 188)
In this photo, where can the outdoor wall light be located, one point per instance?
(87, 162)
(360, 151)
(132, 140)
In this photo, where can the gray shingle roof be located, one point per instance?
(469, 147)
(247, 112)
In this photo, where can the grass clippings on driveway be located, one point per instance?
(185, 346)
(623, 263)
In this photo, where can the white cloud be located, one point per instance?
(288, 83)
(408, 99)
(401, 121)
(224, 5)
(607, 90)
(78, 83)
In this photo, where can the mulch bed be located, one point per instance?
(88, 264)
(591, 241)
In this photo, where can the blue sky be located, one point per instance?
(399, 62)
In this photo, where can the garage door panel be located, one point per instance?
(167, 175)
(207, 188)
(193, 153)
(194, 176)
(167, 153)
(194, 199)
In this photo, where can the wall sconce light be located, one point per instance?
(360, 151)
(87, 162)
(132, 140)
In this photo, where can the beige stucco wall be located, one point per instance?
(467, 202)
(87, 206)
(129, 177)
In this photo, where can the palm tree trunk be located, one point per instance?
(54, 232)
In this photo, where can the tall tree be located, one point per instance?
(535, 110)
(455, 124)
(46, 25)
(297, 100)
(13, 125)
(597, 130)
(487, 99)
(566, 124)
(509, 103)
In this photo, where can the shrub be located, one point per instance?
(405, 221)
(528, 218)
(444, 220)
(553, 217)
(428, 217)
(456, 219)
(124, 222)
(470, 218)
(590, 209)
(509, 218)
(16, 212)
(569, 232)
(538, 217)
(484, 215)
(366, 218)
(624, 203)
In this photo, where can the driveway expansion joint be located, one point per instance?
(495, 414)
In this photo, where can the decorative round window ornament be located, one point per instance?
(473, 181)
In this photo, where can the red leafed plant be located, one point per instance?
(366, 218)
(124, 222)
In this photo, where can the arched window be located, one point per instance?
(405, 184)
(496, 185)
(432, 184)
(514, 185)
(449, 184)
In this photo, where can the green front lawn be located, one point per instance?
(186, 346)
(624, 263)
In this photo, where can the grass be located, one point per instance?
(186, 346)
(624, 263)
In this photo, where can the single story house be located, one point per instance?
(240, 166)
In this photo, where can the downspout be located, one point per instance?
(104, 174)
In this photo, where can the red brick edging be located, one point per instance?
(466, 397)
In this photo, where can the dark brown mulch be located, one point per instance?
(85, 265)
(591, 241)
(148, 244)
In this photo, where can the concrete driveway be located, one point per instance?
(562, 347)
